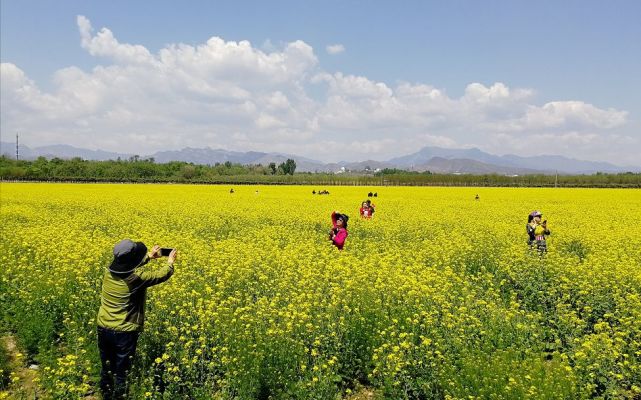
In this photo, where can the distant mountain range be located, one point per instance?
(435, 159)
(544, 163)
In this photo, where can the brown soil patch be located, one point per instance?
(25, 387)
(363, 393)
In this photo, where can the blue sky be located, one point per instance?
(499, 75)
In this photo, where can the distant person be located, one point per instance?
(537, 230)
(372, 207)
(365, 211)
(370, 194)
(338, 234)
(313, 191)
(477, 197)
(231, 191)
(529, 228)
(256, 192)
(375, 194)
(122, 310)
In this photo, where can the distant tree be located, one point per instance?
(394, 171)
(289, 166)
(272, 167)
(188, 171)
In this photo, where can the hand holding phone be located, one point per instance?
(155, 252)
(172, 256)
(165, 251)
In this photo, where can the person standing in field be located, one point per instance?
(338, 234)
(537, 231)
(529, 228)
(372, 207)
(122, 310)
(365, 211)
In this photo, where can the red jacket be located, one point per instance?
(366, 212)
(340, 236)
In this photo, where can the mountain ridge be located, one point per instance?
(470, 160)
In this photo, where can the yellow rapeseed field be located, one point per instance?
(438, 296)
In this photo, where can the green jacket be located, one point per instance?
(122, 301)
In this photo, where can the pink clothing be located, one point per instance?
(339, 237)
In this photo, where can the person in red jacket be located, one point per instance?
(338, 234)
(365, 210)
(372, 207)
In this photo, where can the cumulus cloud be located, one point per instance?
(563, 113)
(334, 49)
(105, 45)
(234, 95)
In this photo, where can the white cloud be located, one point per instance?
(558, 116)
(562, 113)
(334, 49)
(105, 45)
(235, 95)
(364, 147)
(479, 94)
(438, 141)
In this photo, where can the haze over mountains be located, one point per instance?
(435, 159)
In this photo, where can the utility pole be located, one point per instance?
(556, 178)
(17, 154)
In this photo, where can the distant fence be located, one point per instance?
(310, 180)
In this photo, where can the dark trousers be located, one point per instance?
(117, 350)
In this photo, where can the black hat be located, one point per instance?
(344, 217)
(127, 256)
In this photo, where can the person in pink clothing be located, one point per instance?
(338, 234)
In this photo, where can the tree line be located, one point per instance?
(146, 170)
(134, 168)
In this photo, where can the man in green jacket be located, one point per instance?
(122, 310)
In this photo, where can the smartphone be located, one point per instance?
(164, 251)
